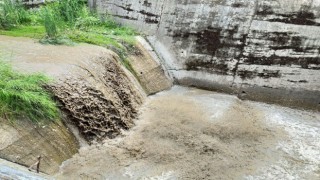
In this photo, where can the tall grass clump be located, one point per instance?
(50, 24)
(23, 96)
(65, 22)
(71, 10)
(12, 14)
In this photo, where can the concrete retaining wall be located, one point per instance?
(259, 49)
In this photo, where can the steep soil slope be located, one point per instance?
(97, 95)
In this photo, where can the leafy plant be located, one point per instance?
(85, 23)
(12, 14)
(25, 31)
(50, 23)
(24, 95)
(73, 19)
(71, 10)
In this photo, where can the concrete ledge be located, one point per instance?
(151, 74)
(295, 98)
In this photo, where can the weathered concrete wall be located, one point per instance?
(22, 141)
(148, 68)
(260, 49)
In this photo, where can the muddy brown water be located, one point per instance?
(187, 133)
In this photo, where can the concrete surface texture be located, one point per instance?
(22, 142)
(264, 50)
(11, 171)
(152, 76)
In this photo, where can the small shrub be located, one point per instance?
(24, 96)
(13, 14)
(85, 23)
(50, 23)
(71, 10)
(59, 40)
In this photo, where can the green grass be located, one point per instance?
(63, 19)
(61, 22)
(95, 38)
(12, 14)
(36, 32)
(50, 23)
(24, 96)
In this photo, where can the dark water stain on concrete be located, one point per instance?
(146, 3)
(126, 17)
(208, 66)
(148, 13)
(303, 62)
(302, 17)
(151, 21)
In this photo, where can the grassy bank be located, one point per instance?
(36, 32)
(63, 22)
(66, 22)
(23, 96)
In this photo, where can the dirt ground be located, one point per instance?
(96, 92)
(193, 134)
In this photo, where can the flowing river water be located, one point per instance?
(187, 133)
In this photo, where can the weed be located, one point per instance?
(25, 31)
(13, 14)
(59, 40)
(73, 19)
(71, 10)
(24, 96)
(69, 17)
(50, 23)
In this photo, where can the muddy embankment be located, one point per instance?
(97, 94)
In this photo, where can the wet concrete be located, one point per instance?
(11, 171)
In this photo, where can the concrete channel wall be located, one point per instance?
(266, 50)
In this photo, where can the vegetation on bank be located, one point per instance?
(64, 22)
(60, 22)
(24, 96)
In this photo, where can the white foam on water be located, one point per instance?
(300, 151)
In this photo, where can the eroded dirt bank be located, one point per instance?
(97, 94)
(101, 101)
(193, 134)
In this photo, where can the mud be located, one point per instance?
(193, 134)
(98, 94)
(97, 112)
